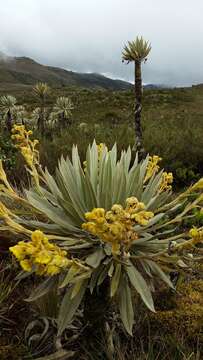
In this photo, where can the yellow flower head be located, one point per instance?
(26, 265)
(52, 270)
(142, 217)
(116, 226)
(133, 205)
(132, 201)
(37, 236)
(196, 235)
(194, 232)
(152, 167)
(43, 257)
(100, 148)
(117, 209)
(19, 251)
(18, 128)
(40, 255)
(25, 144)
(166, 181)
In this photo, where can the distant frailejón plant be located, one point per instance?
(7, 104)
(62, 112)
(41, 90)
(137, 52)
(10, 112)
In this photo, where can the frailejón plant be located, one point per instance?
(137, 51)
(107, 218)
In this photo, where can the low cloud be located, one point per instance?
(88, 36)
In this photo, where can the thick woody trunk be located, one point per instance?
(41, 120)
(9, 121)
(98, 319)
(62, 121)
(97, 307)
(138, 110)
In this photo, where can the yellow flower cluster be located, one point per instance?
(40, 255)
(166, 181)
(152, 167)
(196, 235)
(196, 238)
(25, 144)
(116, 226)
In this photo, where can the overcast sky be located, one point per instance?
(88, 35)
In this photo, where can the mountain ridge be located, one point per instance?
(26, 71)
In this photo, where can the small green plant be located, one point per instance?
(196, 219)
(186, 175)
(8, 153)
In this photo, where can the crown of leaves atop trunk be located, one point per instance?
(41, 90)
(63, 105)
(107, 194)
(7, 102)
(136, 50)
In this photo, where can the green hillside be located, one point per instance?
(25, 71)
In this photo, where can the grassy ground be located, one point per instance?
(28, 330)
(172, 124)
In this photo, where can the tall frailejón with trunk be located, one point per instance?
(137, 52)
